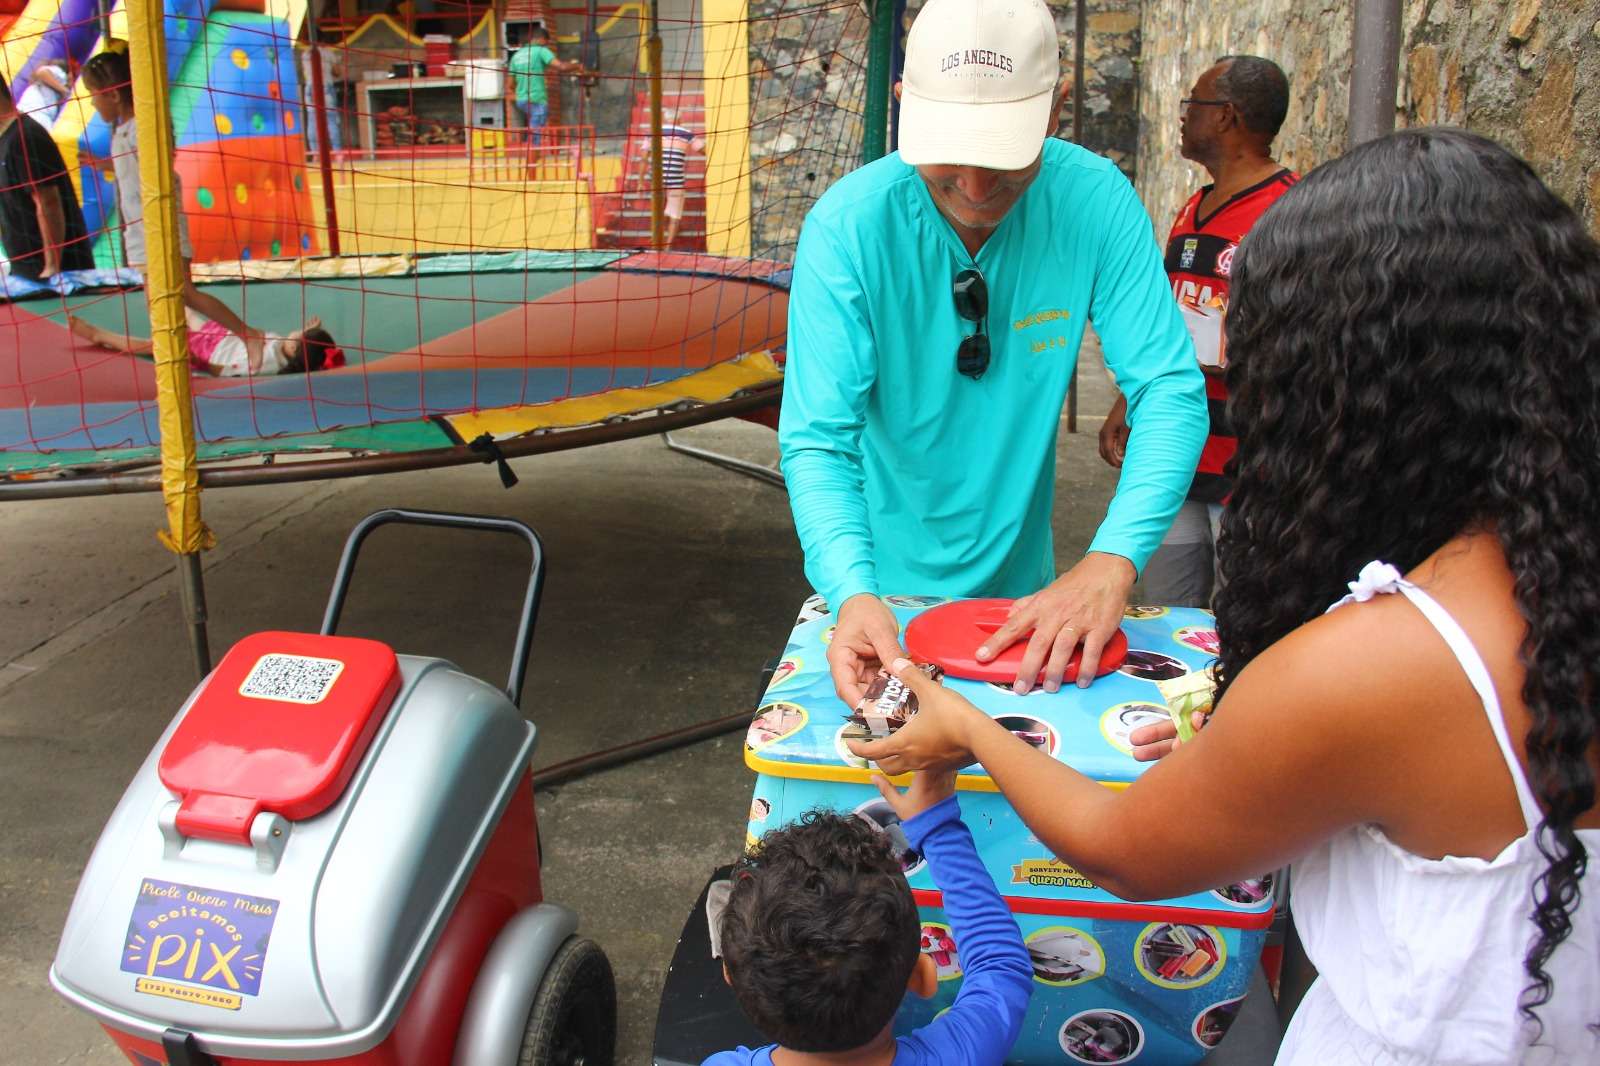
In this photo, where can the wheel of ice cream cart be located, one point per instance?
(574, 1017)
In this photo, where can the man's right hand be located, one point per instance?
(1114, 433)
(865, 638)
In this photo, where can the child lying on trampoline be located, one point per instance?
(216, 350)
(110, 85)
(821, 941)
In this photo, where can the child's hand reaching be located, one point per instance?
(928, 788)
(98, 164)
(254, 348)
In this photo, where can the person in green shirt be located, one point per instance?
(527, 67)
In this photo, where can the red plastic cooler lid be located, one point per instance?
(280, 726)
(951, 633)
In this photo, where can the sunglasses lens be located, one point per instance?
(972, 358)
(971, 295)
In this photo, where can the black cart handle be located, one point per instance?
(530, 599)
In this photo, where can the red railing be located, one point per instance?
(563, 153)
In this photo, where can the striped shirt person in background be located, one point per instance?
(677, 141)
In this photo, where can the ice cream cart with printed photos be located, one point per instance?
(1115, 982)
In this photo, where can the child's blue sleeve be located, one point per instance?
(997, 976)
(741, 1056)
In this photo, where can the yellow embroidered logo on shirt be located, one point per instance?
(1039, 318)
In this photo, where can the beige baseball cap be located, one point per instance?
(980, 79)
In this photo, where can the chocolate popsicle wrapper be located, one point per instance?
(888, 702)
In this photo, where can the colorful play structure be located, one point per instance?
(495, 291)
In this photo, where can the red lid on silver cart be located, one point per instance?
(950, 634)
(280, 726)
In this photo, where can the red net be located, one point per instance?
(404, 216)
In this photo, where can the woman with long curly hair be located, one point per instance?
(1415, 379)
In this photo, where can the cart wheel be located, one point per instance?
(574, 1017)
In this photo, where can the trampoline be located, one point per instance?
(439, 351)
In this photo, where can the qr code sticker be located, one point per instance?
(291, 678)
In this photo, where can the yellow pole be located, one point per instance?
(186, 534)
(658, 194)
(727, 87)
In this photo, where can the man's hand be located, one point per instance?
(1083, 606)
(928, 788)
(1159, 739)
(865, 637)
(935, 741)
(1114, 433)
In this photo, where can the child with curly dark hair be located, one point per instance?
(821, 941)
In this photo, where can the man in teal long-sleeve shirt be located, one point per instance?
(939, 298)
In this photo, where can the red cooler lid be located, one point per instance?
(951, 633)
(280, 726)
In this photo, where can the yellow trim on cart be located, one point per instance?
(856, 776)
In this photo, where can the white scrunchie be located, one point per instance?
(1374, 578)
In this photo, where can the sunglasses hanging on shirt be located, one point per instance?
(972, 303)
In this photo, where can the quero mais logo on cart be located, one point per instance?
(198, 945)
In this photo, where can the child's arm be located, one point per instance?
(222, 314)
(50, 78)
(997, 975)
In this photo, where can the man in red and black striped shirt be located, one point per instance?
(1228, 122)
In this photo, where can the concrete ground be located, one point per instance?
(670, 583)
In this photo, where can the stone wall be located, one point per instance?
(1110, 77)
(808, 75)
(1182, 38)
(808, 85)
(1524, 72)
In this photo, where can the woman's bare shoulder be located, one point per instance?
(1376, 664)
(1382, 668)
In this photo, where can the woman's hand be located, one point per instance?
(936, 738)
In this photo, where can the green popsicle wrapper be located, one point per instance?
(1185, 695)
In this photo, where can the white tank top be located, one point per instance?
(1420, 960)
